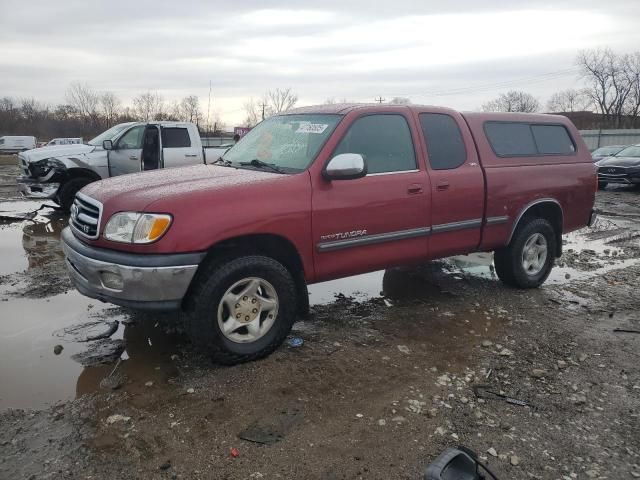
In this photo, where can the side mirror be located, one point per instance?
(107, 144)
(346, 166)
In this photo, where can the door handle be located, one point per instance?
(442, 186)
(133, 157)
(414, 188)
(191, 155)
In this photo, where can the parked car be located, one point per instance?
(58, 172)
(603, 152)
(64, 141)
(623, 168)
(325, 192)
(16, 143)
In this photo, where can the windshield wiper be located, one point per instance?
(260, 164)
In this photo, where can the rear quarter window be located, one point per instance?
(552, 139)
(518, 139)
(175, 138)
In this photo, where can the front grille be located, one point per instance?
(85, 216)
(612, 170)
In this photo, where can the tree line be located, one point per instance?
(87, 112)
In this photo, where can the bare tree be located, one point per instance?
(280, 100)
(110, 108)
(608, 82)
(513, 101)
(29, 109)
(149, 106)
(252, 108)
(190, 109)
(400, 101)
(632, 71)
(570, 100)
(85, 101)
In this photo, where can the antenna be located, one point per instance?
(209, 108)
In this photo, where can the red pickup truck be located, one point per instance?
(325, 192)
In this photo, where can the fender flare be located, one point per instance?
(528, 207)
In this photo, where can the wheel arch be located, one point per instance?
(547, 208)
(270, 245)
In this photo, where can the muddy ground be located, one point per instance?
(395, 367)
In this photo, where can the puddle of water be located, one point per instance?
(13, 259)
(359, 287)
(33, 376)
(31, 243)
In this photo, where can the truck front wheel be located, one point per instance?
(68, 190)
(527, 261)
(242, 309)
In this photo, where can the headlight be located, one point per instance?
(133, 227)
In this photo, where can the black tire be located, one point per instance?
(201, 308)
(509, 260)
(68, 190)
(602, 185)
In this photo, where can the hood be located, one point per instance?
(56, 151)
(136, 192)
(619, 162)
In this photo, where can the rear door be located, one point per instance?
(126, 155)
(379, 220)
(457, 184)
(178, 149)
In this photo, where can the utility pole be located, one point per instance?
(263, 107)
(380, 99)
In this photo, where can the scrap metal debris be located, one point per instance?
(10, 217)
(625, 330)
(482, 391)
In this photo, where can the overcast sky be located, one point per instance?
(454, 53)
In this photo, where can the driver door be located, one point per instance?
(126, 156)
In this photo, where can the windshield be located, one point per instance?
(632, 151)
(287, 142)
(109, 134)
(605, 151)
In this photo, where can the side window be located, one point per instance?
(132, 140)
(510, 139)
(445, 145)
(552, 139)
(175, 138)
(383, 140)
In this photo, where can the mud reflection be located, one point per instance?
(41, 240)
(148, 350)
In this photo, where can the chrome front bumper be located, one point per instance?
(149, 282)
(33, 189)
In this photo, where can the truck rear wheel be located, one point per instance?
(527, 261)
(68, 191)
(242, 309)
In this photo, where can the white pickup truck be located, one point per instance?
(58, 172)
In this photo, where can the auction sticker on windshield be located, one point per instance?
(312, 128)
